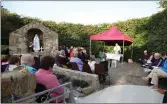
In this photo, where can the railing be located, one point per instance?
(45, 95)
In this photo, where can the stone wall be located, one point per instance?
(91, 79)
(18, 39)
(18, 84)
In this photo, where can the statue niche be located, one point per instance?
(35, 40)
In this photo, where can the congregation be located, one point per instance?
(77, 59)
(73, 58)
(156, 65)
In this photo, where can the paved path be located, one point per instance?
(127, 74)
(126, 87)
(124, 94)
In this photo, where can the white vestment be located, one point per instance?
(117, 49)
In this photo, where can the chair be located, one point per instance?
(74, 66)
(105, 64)
(86, 68)
(43, 97)
(99, 70)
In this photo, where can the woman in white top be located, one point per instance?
(92, 63)
(14, 62)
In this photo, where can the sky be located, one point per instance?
(83, 12)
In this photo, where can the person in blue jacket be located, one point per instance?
(27, 60)
(157, 73)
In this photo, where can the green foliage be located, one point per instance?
(148, 33)
(157, 32)
(163, 4)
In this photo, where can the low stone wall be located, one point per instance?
(18, 84)
(91, 79)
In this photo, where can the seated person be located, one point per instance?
(156, 61)
(75, 59)
(4, 59)
(145, 57)
(37, 62)
(149, 61)
(4, 62)
(82, 56)
(92, 63)
(104, 62)
(157, 73)
(45, 76)
(57, 58)
(27, 60)
(63, 60)
(14, 62)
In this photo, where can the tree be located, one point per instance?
(163, 4)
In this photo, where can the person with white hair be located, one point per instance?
(156, 62)
(75, 59)
(27, 60)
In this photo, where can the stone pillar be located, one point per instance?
(18, 84)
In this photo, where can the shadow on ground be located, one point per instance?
(127, 74)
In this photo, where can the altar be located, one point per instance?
(112, 56)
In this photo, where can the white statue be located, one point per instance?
(36, 44)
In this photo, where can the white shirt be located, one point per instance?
(117, 49)
(11, 67)
(92, 65)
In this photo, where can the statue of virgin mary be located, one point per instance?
(36, 44)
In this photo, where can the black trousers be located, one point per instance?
(165, 98)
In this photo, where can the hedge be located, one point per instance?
(149, 32)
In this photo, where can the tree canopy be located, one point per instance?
(163, 4)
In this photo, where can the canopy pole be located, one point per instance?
(132, 51)
(90, 48)
(123, 52)
(103, 46)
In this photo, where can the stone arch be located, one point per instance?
(30, 36)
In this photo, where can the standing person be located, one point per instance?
(45, 77)
(100, 54)
(68, 52)
(71, 50)
(117, 49)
